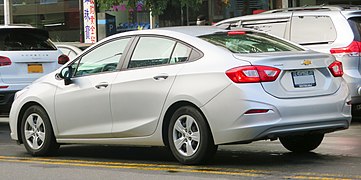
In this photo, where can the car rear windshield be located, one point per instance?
(249, 42)
(24, 39)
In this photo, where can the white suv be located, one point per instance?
(26, 53)
(328, 29)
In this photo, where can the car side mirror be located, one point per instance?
(66, 74)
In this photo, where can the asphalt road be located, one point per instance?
(338, 157)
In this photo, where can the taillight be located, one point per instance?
(253, 74)
(4, 61)
(352, 50)
(62, 59)
(336, 68)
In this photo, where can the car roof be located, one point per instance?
(175, 31)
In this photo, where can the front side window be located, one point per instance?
(249, 42)
(103, 58)
(151, 51)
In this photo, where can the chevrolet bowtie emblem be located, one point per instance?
(306, 62)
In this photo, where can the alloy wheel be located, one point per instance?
(186, 135)
(34, 131)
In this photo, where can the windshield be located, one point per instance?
(250, 42)
(24, 39)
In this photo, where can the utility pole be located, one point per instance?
(8, 13)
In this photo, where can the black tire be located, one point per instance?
(41, 140)
(302, 143)
(204, 148)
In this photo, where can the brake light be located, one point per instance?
(230, 33)
(62, 59)
(352, 50)
(336, 68)
(253, 74)
(4, 61)
(3, 87)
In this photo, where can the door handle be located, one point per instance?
(160, 77)
(102, 85)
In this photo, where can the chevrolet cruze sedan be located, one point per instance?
(187, 88)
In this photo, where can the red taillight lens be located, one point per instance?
(353, 49)
(4, 61)
(253, 74)
(336, 68)
(62, 59)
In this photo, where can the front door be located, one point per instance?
(83, 107)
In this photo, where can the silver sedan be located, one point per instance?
(188, 88)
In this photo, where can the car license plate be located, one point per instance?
(303, 78)
(35, 68)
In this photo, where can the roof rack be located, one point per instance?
(316, 8)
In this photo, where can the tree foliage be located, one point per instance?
(156, 6)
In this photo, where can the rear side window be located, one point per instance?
(355, 24)
(152, 51)
(250, 42)
(25, 39)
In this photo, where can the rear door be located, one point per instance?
(140, 90)
(31, 53)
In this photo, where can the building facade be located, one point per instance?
(65, 19)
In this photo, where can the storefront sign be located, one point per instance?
(89, 19)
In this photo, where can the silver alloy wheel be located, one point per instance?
(186, 135)
(34, 131)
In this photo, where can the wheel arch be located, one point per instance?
(168, 115)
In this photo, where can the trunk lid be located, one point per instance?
(303, 74)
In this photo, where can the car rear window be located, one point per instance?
(249, 42)
(25, 39)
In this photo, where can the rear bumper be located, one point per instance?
(320, 114)
(6, 99)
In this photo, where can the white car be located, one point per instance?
(26, 53)
(329, 29)
(189, 88)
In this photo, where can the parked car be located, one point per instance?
(26, 53)
(328, 29)
(189, 88)
(72, 49)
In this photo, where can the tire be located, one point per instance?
(302, 143)
(188, 127)
(37, 132)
